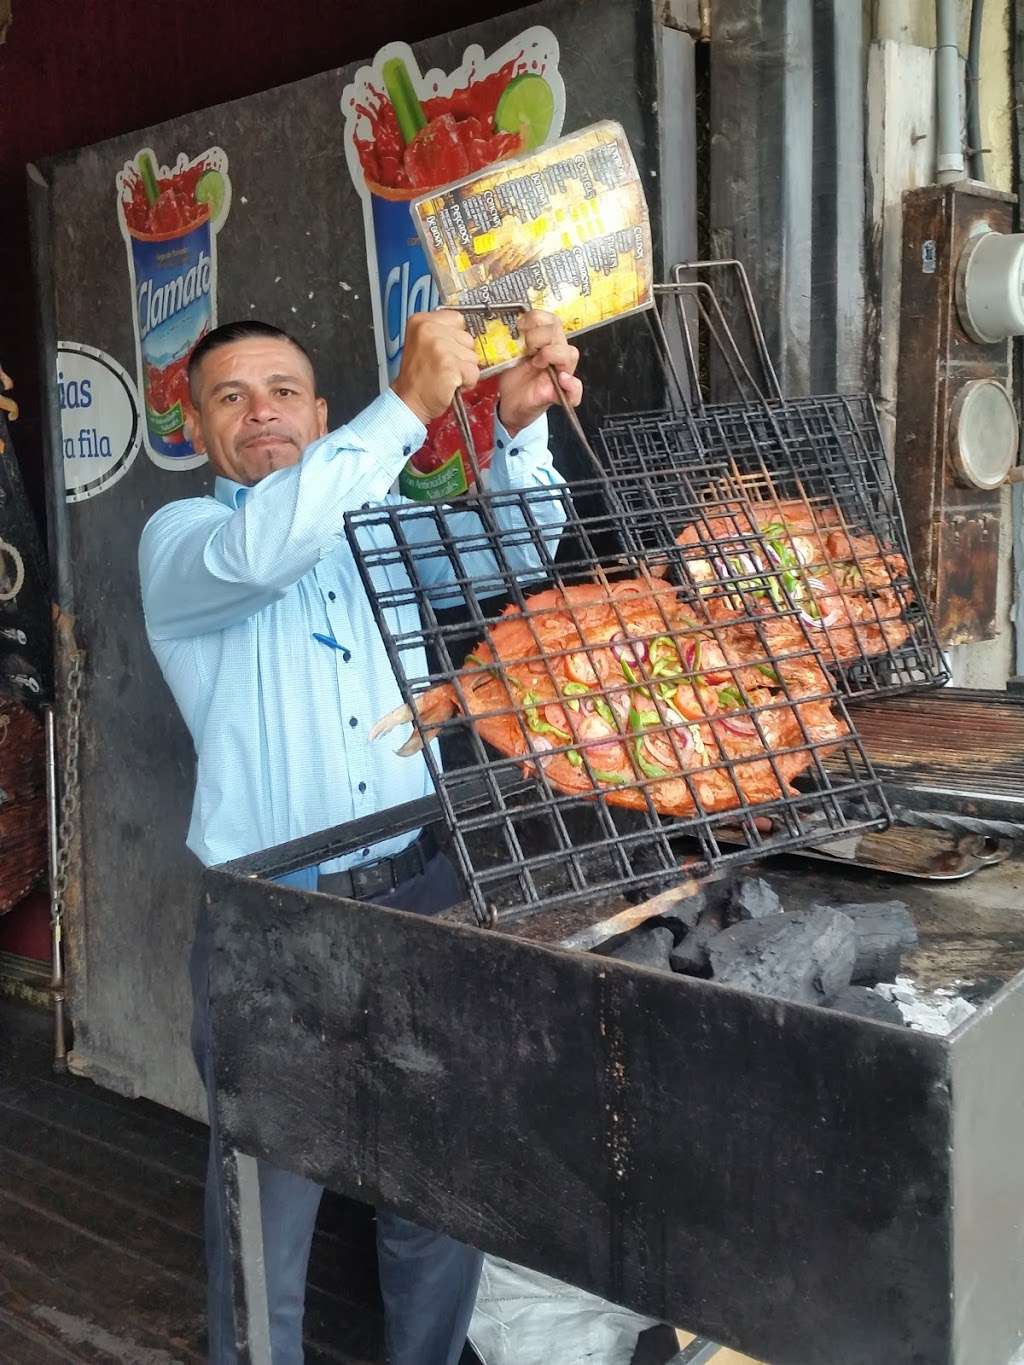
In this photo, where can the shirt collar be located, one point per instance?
(228, 492)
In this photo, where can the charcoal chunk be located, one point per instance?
(690, 955)
(885, 931)
(644, 947)
(867, 1004)
(753, 898)
(806, 956)
(686, 911)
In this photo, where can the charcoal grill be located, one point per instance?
(809, 1187)
(525, 844)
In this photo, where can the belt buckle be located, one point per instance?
(372, 879)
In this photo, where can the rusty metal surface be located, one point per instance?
(967, 552)
(935, 854)
(958, 739)
(953, 530)
(22, 803)
(26, 649)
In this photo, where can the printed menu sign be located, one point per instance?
(565, 229)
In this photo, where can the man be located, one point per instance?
(256, 614)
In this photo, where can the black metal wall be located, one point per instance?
(294, 231)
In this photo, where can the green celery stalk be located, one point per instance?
(147, 174)
(402, 95)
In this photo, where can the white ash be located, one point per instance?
(939, 1011)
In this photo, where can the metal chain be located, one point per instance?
(68, 787)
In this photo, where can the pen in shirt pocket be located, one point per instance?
(332, 643)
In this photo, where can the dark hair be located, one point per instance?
(229, 333)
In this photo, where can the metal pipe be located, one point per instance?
(949, 157)
(975, 152)
(56, 928)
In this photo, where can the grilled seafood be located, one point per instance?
(845, 588)
(624, 688)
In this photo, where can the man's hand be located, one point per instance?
(438, 358)
(526, 391)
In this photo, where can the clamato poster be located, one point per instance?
(408, 132)
(169, 219)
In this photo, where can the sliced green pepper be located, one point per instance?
(617, 778)
(605, 712)
(639, 721)
(536, 722)
(571, 691)
(662, 653)
(648, 768)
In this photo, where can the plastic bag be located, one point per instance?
(525, 1318)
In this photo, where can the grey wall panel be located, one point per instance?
(787, 178)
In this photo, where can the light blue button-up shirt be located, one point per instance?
(236, 587)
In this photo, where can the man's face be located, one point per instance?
(255, 408)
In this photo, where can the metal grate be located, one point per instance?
(623, 716)
(957, 749)
(814, 469)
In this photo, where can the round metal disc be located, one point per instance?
(984, 435)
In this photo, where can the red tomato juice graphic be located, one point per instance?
(416, 146)
(169, 220)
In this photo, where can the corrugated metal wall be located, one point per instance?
(787, 178)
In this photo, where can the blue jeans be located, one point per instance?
(428, 1281)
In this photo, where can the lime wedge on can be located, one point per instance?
(526, 106)
(211, 189)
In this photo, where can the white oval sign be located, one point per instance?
(99, 419)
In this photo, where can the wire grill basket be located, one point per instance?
(809, 473)
(625, 714)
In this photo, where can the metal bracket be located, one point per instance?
(698, 1351)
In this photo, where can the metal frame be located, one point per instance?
(803, 1185)
(823, 452)
(544, 844)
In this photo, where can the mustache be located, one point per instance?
(269, 434)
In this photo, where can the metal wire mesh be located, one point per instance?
(626, 715)
(810, 472)
(813, 475)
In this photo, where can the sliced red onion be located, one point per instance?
(682, 736)
(540, 744)
(632, 651)
(816, 584)
(746, 563)
(822, 623)
(737, 725)
(620, 703)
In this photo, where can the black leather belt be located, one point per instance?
(380, 877)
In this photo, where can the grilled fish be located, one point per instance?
(625, 689)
